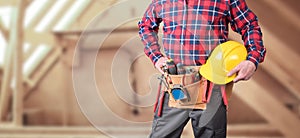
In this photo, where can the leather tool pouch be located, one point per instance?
(194, 87)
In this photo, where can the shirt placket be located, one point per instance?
(183, 29)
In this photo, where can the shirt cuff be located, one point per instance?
(254, 57)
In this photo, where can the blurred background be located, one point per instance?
(38, 39)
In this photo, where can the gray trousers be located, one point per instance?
(209, 123)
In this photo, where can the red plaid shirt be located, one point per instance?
(193, 28)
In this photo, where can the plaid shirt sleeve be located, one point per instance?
(245, 22)
(149, 26)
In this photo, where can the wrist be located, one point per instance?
(253, 61)
(254, 64)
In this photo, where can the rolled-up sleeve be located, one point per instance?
(245, 22)
(148, 31)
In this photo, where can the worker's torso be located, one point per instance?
(192, 28)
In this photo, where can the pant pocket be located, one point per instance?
(196, 93)
(220, 133)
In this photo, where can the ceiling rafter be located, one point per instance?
(259, 98)
(35, 38)
(276, 65)
(14, 63)
(28, 52)
(13, 2)
(78, 13)
(56, 18)
(8, 2)
(4, 30)
(84, 12)
(17, 105)
(285, 11)
(93, 10)
(40, 14)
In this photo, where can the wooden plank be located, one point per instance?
(87, 9)
(96, 31)
(40, 14)
(17, 40)
(46, 66)
(285, 12)
(278, 89)
(5, 94)
(32, 82)
(58, 136)
(37, 38)
(278, 25)
(257, 130)
(277, 66)
(118, 36)
(93, 10)
(66, 21)
(34, 61)
(233, 130)
(57, 17)
(259, 98)
(249, 130)
(4, 30)
(8, 2)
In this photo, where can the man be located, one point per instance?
(192, 29)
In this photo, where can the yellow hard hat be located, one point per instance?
(223, 59)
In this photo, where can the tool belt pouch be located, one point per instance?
(194, 89)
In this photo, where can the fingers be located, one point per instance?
(160, 63)
(160, 70)
(234, 70)
(241, 76)
(246, 71)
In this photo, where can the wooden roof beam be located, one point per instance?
(40, 14)
(4, 30)
(285, 11)
(57, 17)
(36, 38)
(48, 62)
(80, 7)
(276, 65)
(17, 37)
(94, 8)
(14, 64)
(259, 98)
(8, 2)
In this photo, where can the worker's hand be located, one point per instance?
(160, 63)
(244, 70)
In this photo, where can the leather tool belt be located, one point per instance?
(194, 88)
(197, 90)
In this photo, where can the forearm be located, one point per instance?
(148, 31)
(150, 40)
(245, 22)
(252, 37)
